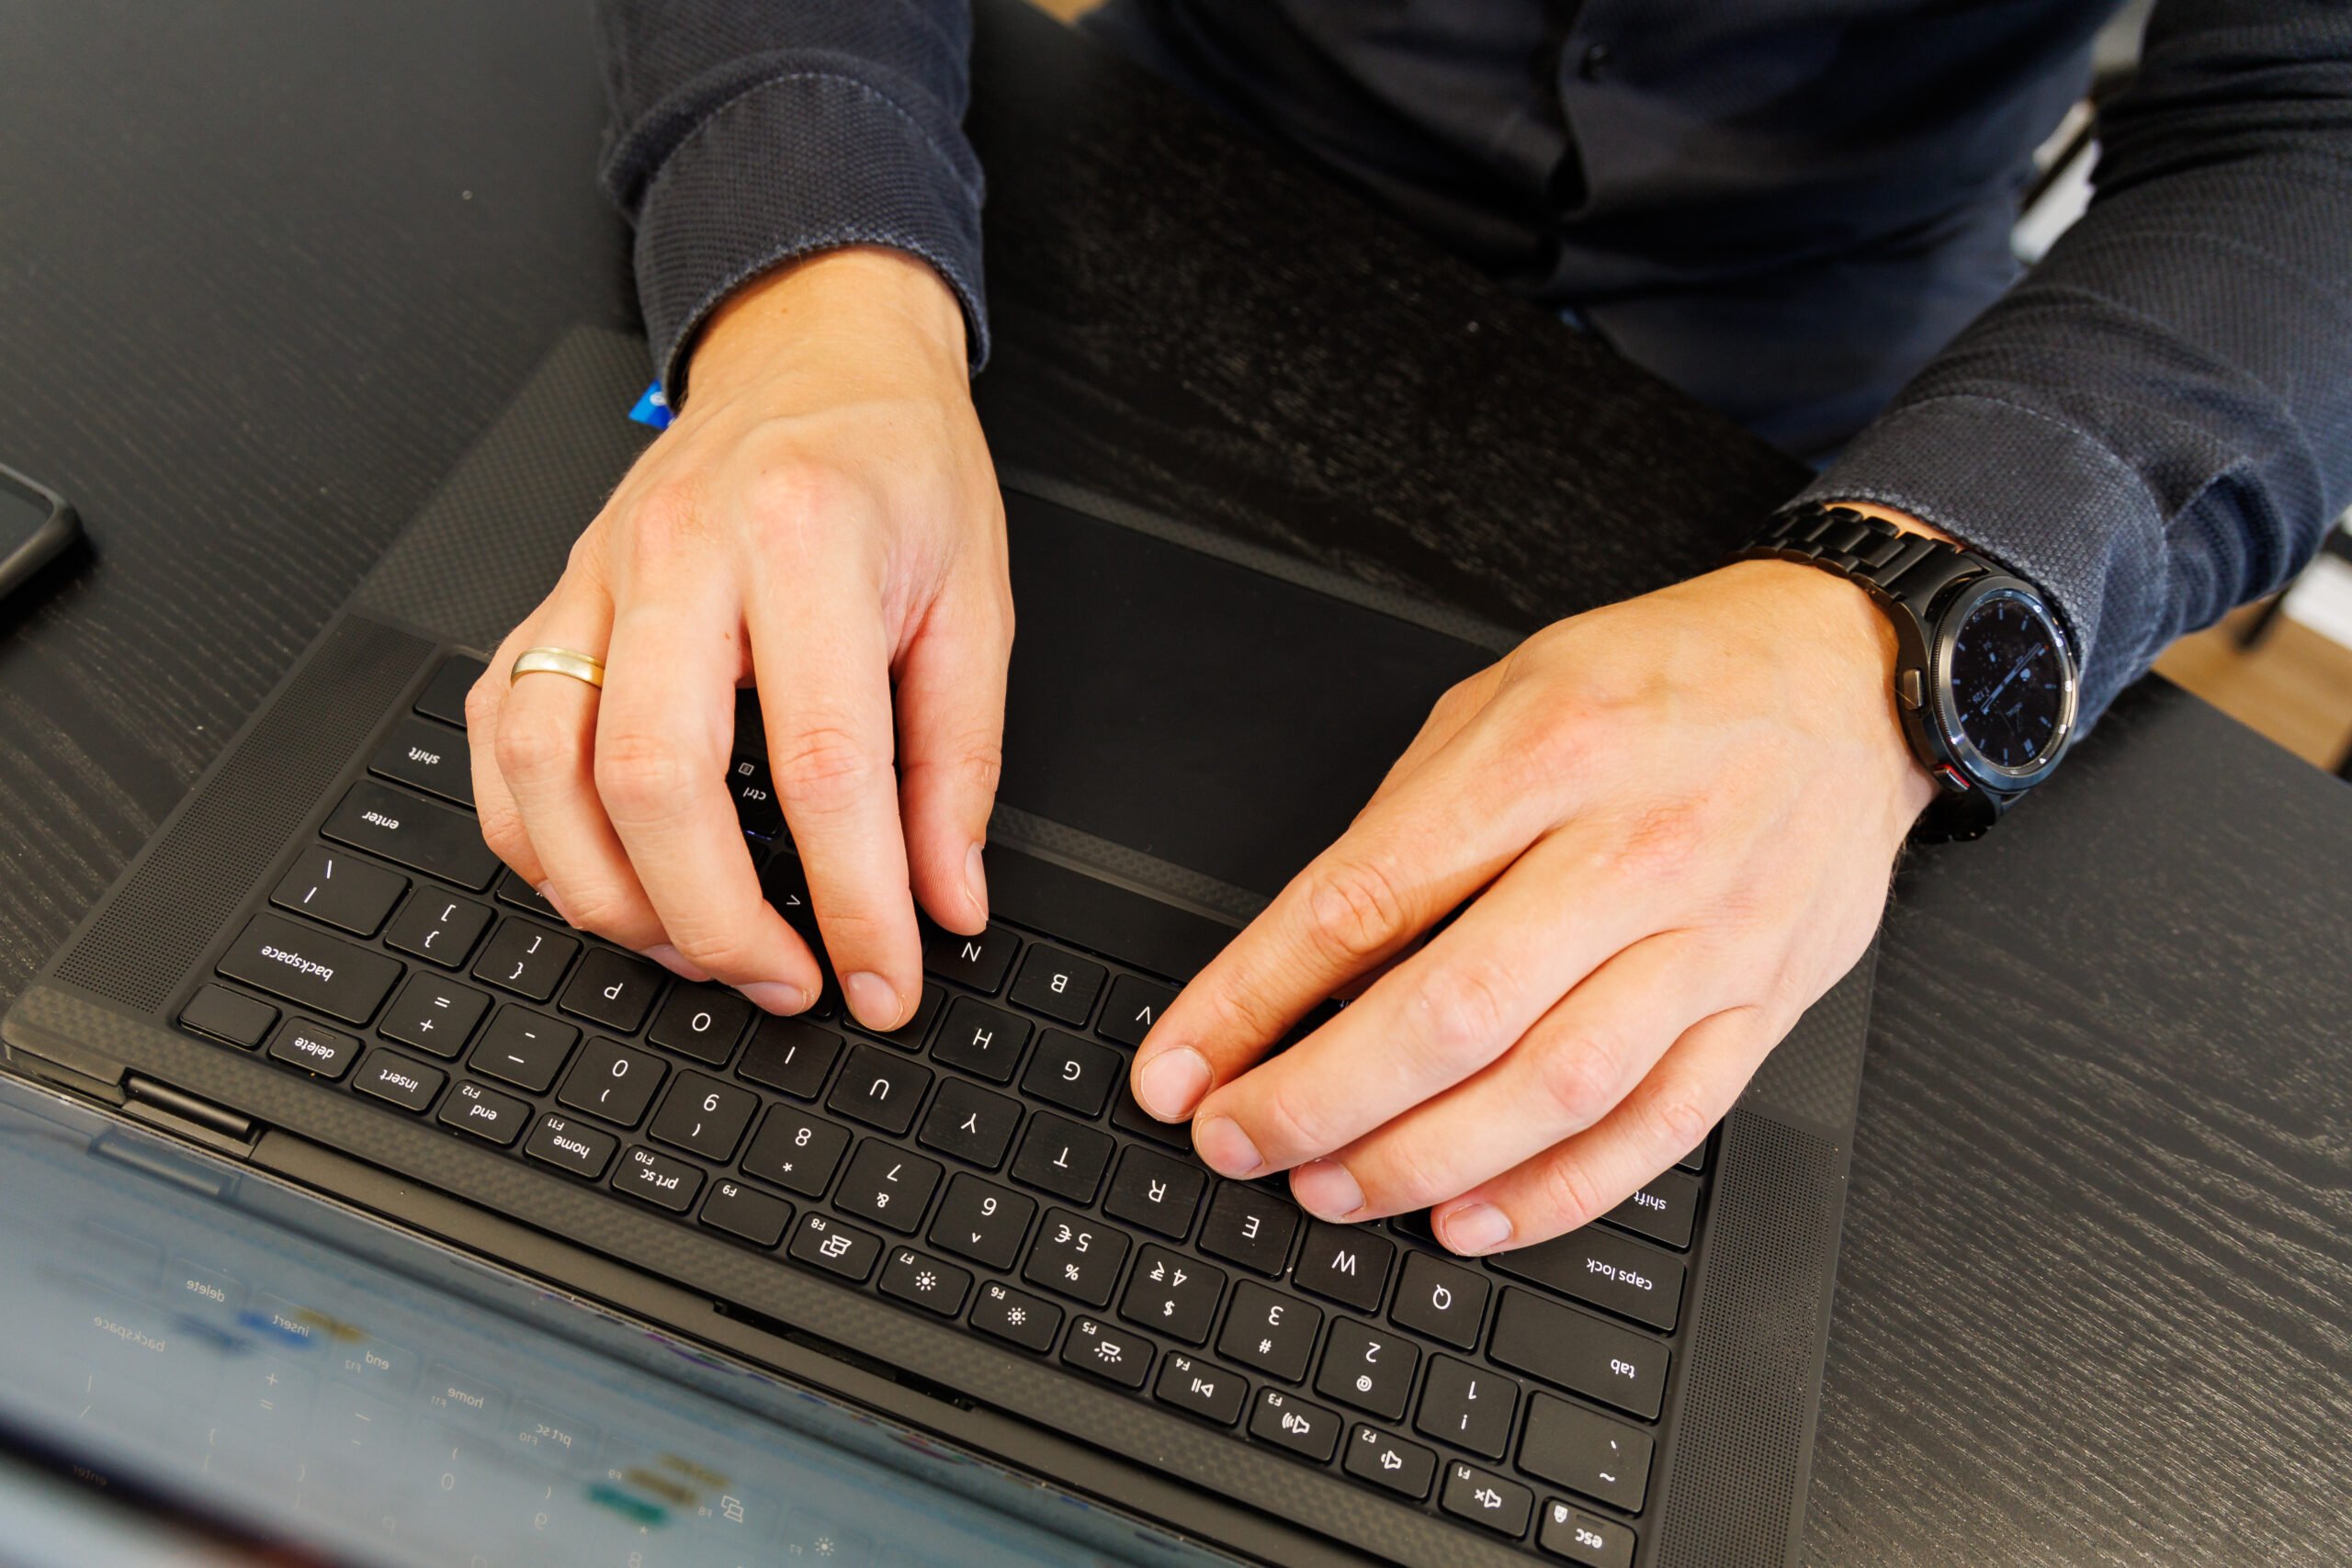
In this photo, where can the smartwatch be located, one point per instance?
(1985, 683)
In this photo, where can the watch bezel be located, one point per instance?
(1981, 769)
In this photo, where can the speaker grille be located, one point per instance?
(1745, 1428)
(170, 910)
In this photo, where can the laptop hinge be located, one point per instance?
(214, 1126)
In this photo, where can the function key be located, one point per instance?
(757, 810)
(969, 1123)
(437, 928)
(981, 1039)
(1249, 1227)
(1109, 1353)
(1367, 1367)
(433, 1014)
(879, 1088)
(1662, 1210)
(910, 1035)
(308, 968)
(1076, 1256)
(1605, 1269)
(979, 962)
(1155, 1192)
(1501, 1506)
(1173, 1296)
(1580, 1352)
(703, 1021)
(824, 1243)
(1271, 1332)
(1440, 1299)
(1289, 1422)
(521, 1048)
(226, 1015)
(1585, 1538)
(1134, 1006)
(419, 834)
(429, 758)
(1199, 1389)
(746, 1214)
(612, 990)
(613, 1082)
(657, 1179)
(325, 1052)
(1075, 1073)
(391, 1076)
(1391, 1462)
(981, 1221)
(796, 1152)
(341, 890)
(444, 696)
(704, 1116)
(1058, 985)
(1572, 1447)
(888, 1186)
(571, 1145)
(1062, 1158)
(1467, 1406)
(789, 1053)
(926, 1281)
(484, 1112)
(1348, 1264)
(513, 889)
(526, 959)
(1016, 1317)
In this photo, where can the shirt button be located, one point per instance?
(1597, 59)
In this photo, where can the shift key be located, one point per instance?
(436, 839)
(309, 968)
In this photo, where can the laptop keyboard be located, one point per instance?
(985, 1163)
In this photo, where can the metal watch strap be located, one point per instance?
(1909, 569)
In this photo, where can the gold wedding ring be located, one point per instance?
(557, 662)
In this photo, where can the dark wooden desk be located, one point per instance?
(265, 269)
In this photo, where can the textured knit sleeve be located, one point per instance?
(747, 132)
(2156, 424)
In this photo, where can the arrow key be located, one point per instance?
(1472, 1493)
(1199, 1389)
(1386, 1460)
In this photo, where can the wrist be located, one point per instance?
(857, 299)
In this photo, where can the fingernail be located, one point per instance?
(546, 891)
(776, 996)
(1173, 1082)
(873, 1000)
(1325, 1189)
(669, 958)
(1226, 1148)
(976, 882)
(1475, 1228)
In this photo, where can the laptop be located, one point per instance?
(407, 1142)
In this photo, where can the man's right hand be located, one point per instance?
(822, 520)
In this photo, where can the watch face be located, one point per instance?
(2012, 692)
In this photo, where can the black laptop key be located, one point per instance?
(1076, 1256)
(703, 1021)
(1273, 1332)
(1213, 1394)
(513, 889)
(1155, 1190)
(795, 1151)
(1134, 1006)
(704, 1116)
(1016, 1317)
(1485, 1498)
(665, 1183)
(1058, 985)
(826, 1243)
(524, 1048)
(1172, 1296)
(571, 1144)
(1289, 1422)
(1249, 1227)
(785, 886)
(1062, 1158)
(444, 696)
(1129, 1115)
(981, 1039)
(789, 1053)
(305, 966)
(1581, 1351)
(338, 887)
(433, 1014)
(1109, 1351)
(1366, 1365)
(612, 990)
(888, 1186)
(328, 1052)
(1696, 1160)
(228, 1015)
(1441, 1300)
(746, 1214)
(438, 927)
(396, 1080)
(484, 1112)
(1663, 1209)
(1585, 1538)
(612, 1082)
(880, 1089)
(1348, 1264)
(427, 757)
(1389, 1462)
(979, 962)
(1075, 1073)
(926, 1281)
(1572, 1447)
(1467, 1406)
(981, 1221)
(969, 1123)
(757, 810)
(422, 835)
(1603, 1269)
(526, 959)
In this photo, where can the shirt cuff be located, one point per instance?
(805, 161)
(2043, 499)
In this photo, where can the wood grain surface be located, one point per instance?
(265, 269)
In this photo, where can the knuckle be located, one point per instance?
(603, 909)
(1292, 1122)
(826, 766)
(481, 705)
(667, 519)
(1568, 1192)
(1661, 839)
(1678, 1120)
(1577, 1079)
(1415, 1176)
(724, 951)
(643, 775)
(1462, 1010)
(1355, 911)
(788, 495)
(534, 746)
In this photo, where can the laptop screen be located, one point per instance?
(202, 1364)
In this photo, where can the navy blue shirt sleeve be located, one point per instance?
(2155, 424)
(745, 134)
